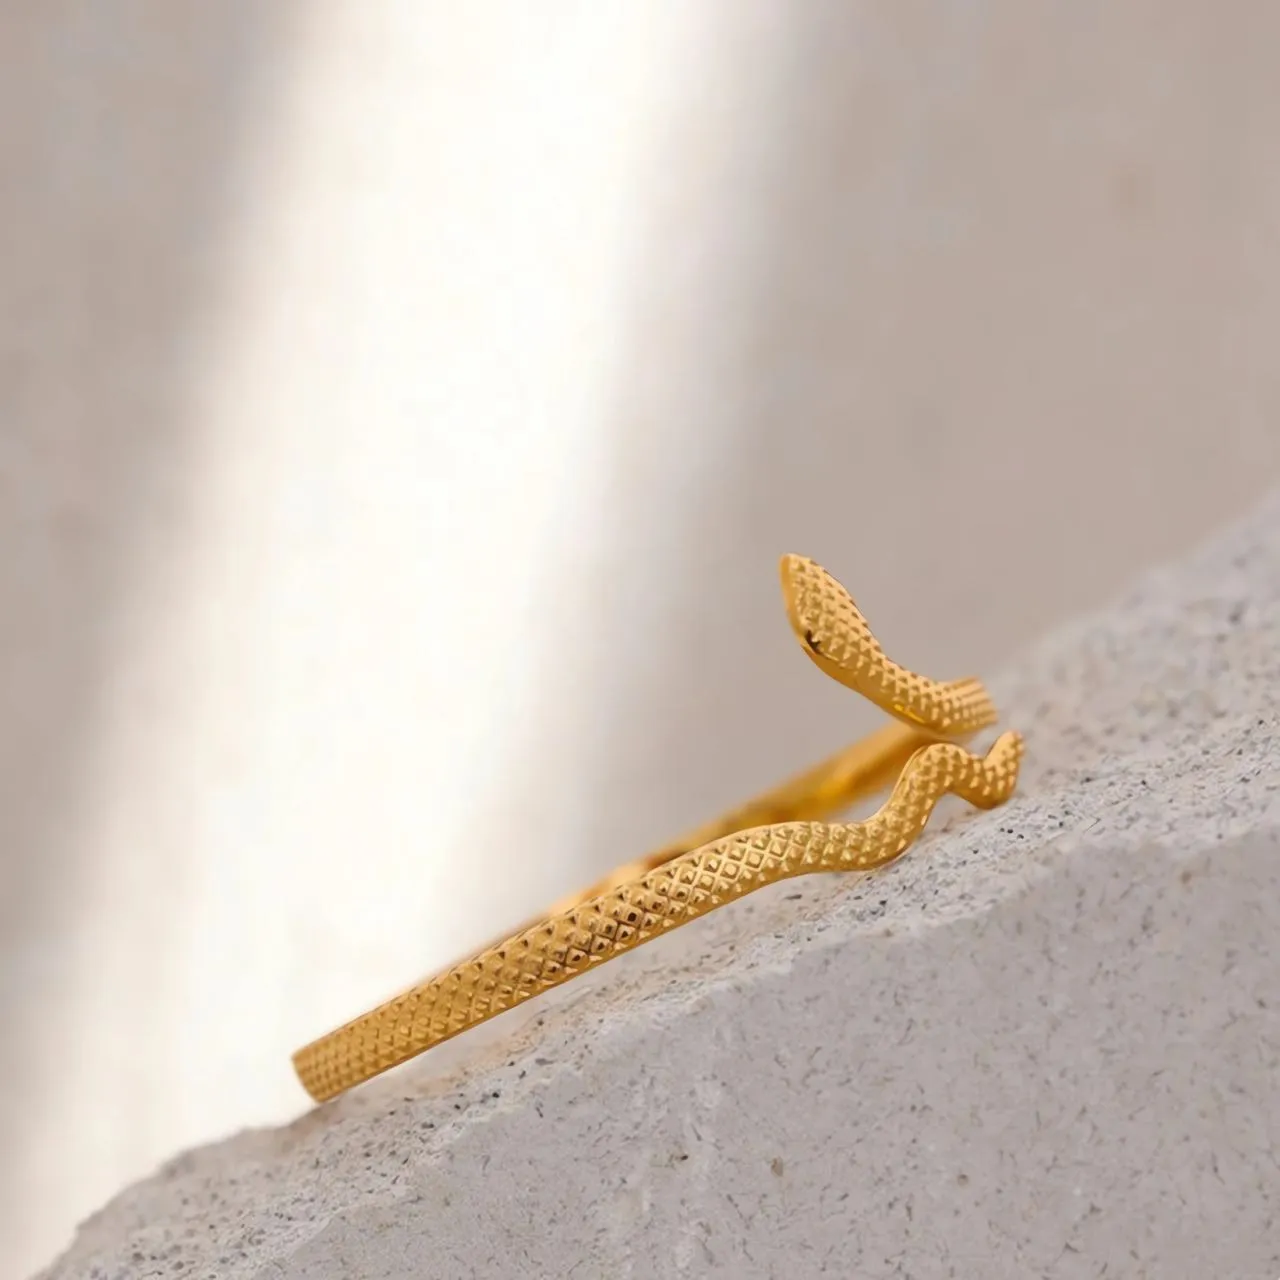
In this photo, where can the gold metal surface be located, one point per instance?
(771, 838)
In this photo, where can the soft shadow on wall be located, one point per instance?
(120, 127)
(972, 304)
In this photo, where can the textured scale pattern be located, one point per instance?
(836, 636)
(690, 884)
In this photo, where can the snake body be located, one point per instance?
(689, 884)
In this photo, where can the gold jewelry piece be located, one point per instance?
(776, 836)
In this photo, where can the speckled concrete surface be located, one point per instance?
(1047, 1043)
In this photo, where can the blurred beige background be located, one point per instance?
(403, 407)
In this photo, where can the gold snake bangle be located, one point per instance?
(778, 835)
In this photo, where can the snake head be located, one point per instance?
(838, 640)
(822, 613)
